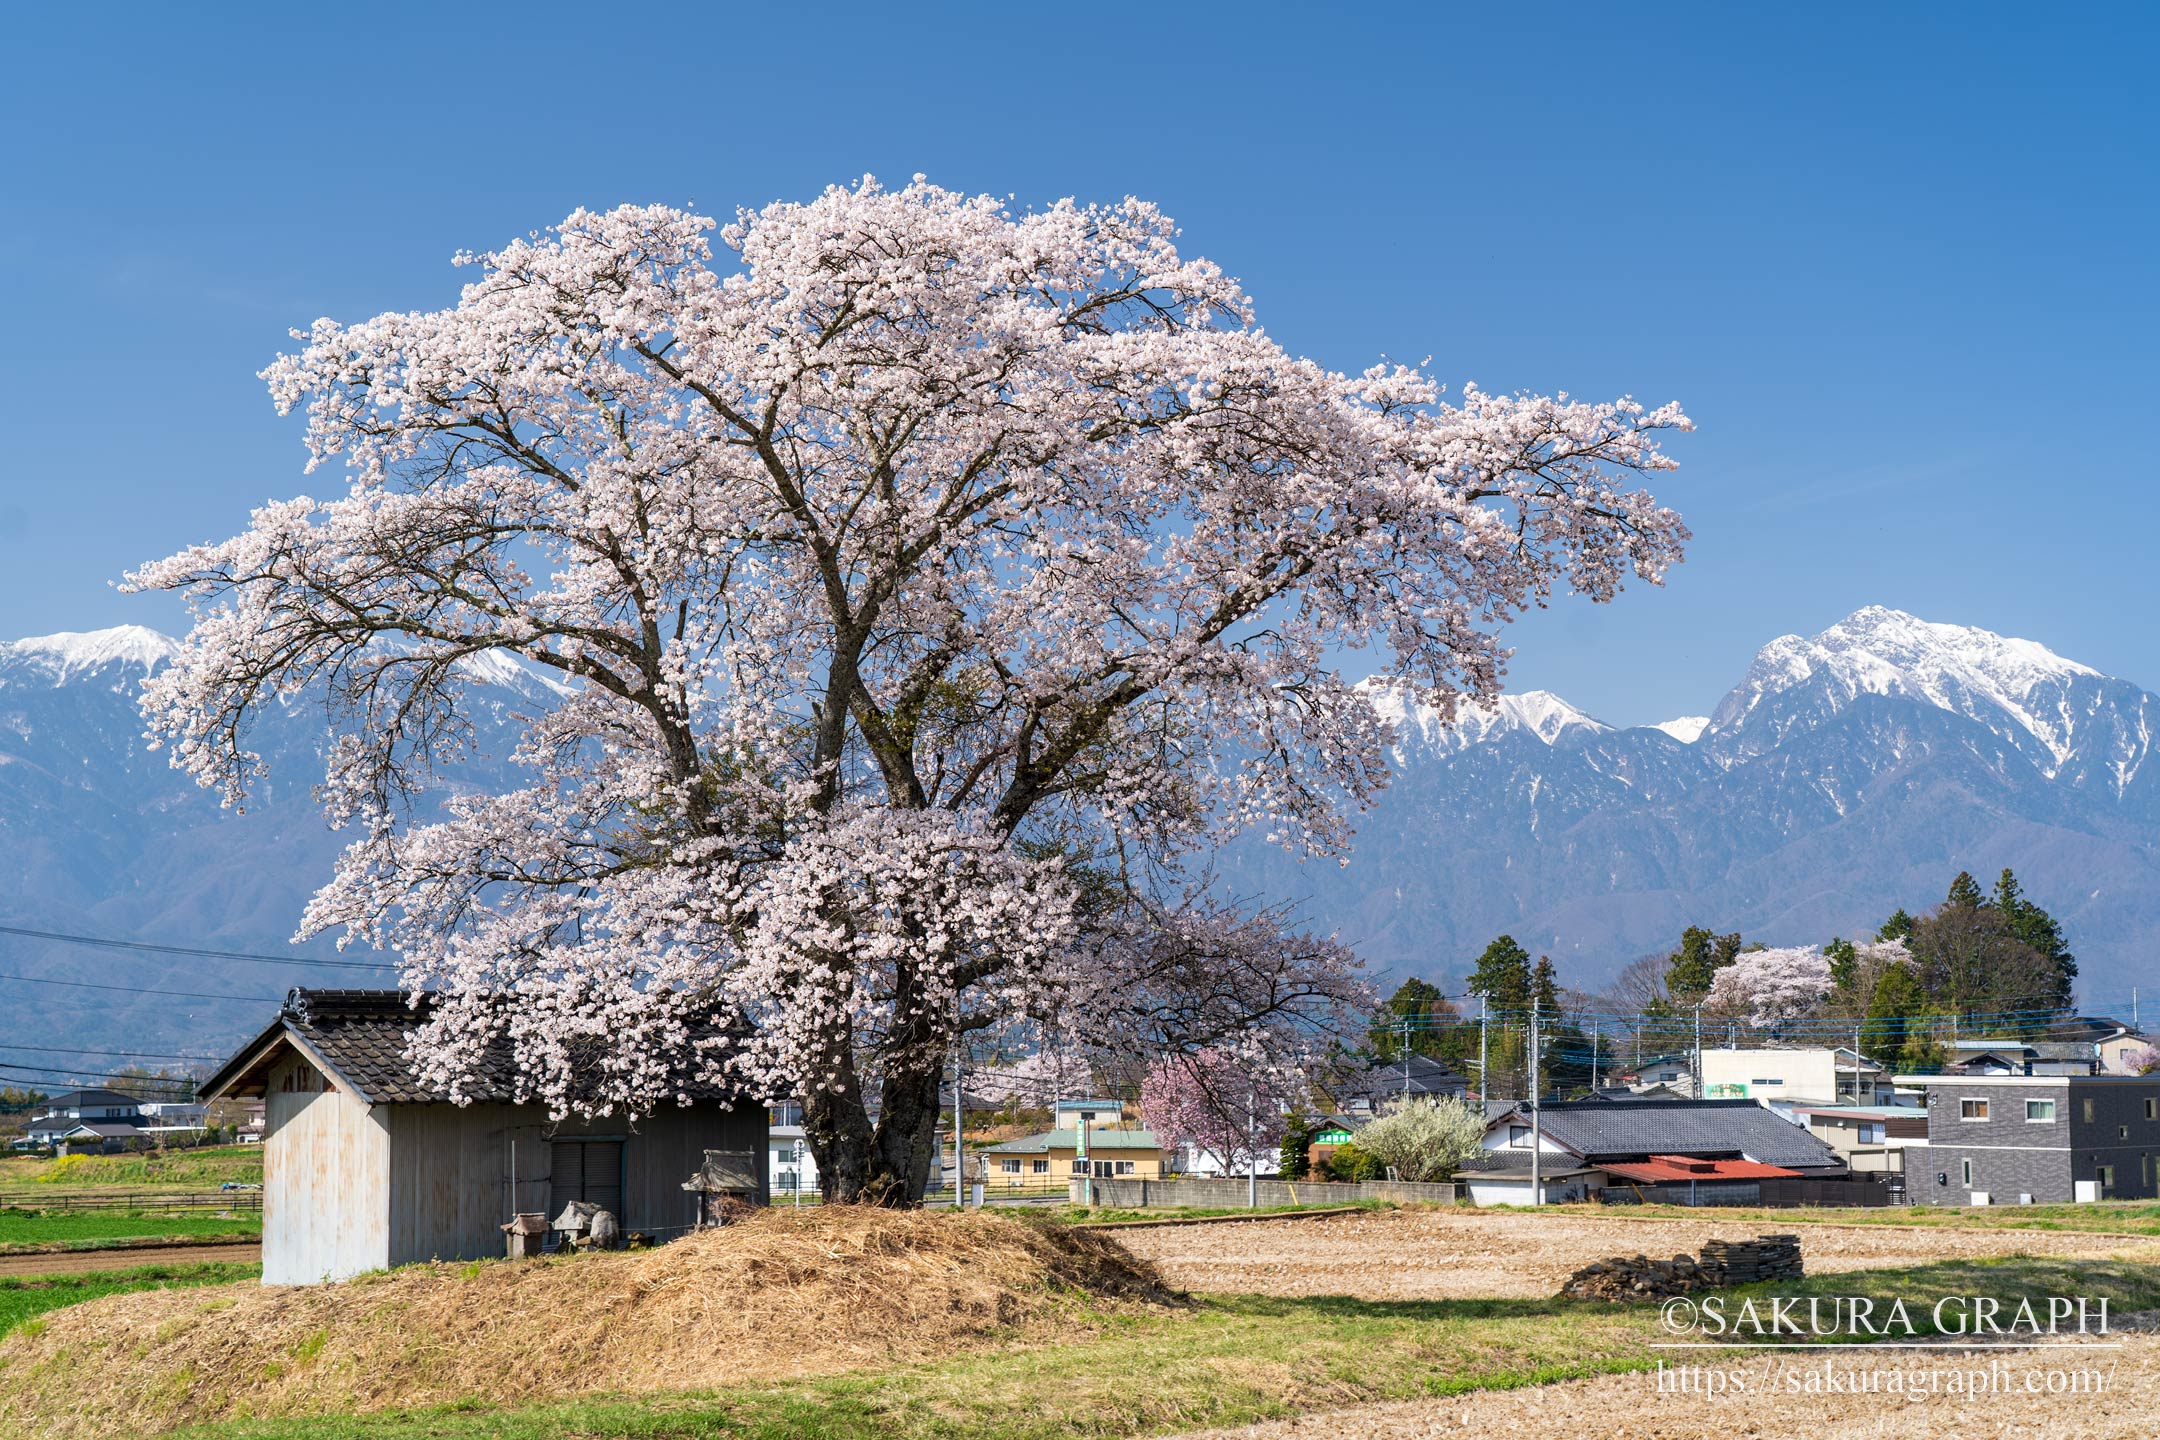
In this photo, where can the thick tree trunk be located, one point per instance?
(887, 1163)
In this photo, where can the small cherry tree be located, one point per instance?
(925, 587)
(1772, 987)
(1231, 1107)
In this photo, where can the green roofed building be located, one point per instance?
(1053, 1157)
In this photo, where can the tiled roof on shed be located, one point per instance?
(360, 1034)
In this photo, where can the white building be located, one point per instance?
(1810, 1076)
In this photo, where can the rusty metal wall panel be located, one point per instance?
(326, 1157)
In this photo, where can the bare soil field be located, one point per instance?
(129, 1257)
(1462, 1255)
(1779, 1405)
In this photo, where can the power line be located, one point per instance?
(135, 990)
(107, 943)
(25, 1072)
(115, 1054)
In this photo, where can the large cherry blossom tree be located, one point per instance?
(927, 586)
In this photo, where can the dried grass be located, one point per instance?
(784, 1294)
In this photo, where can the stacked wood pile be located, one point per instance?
(1722, 1262)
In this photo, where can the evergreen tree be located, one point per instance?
(1692, 968)
(1898, 927)
(1545, 988)
(1890, 1035)
(1294, 1159)
(1965, 892)
(1503, 978)
(1844, 960)
(2040, 931)
(1434, 1024)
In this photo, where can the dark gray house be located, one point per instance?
(1368, 1091)
(2036, 1139)
(1711, 1152)
(366, 1166)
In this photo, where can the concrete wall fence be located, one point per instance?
(1232, 1194)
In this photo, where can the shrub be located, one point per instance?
(1349, 1163)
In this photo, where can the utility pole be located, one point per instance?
(1484, 1090)
(959, 1154)
(1252, 1149)
(1405, 1025)
(1698, 1086)
(1855, 1062)
(1537, 1142)
(1593, 1056)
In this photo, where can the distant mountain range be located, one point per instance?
(1844, 775)
(100, 836)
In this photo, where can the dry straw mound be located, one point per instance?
(785, 1293)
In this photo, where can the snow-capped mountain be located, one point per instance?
(100, 836)
(1846, 774)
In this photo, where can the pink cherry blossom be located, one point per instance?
(925, 588)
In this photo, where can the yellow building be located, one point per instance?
(1053, 1157)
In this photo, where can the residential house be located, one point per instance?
(2113, 1043)
(366, 1165)
(1690, 1151)
(2038, 1139)
(1870, 1139)
(173, 1117)
(2022, 1057)
(1673, 1072)
(1053, 1158)
(791, 1170)
(87, 1121)
(1817, 1075)
(1370, 1090)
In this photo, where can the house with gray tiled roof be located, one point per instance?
(368, 1165)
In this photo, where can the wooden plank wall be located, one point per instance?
(326, 1162)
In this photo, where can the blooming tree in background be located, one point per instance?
(926, 585)
(1425, 1138)
(1226, 1105)
(1772, 987)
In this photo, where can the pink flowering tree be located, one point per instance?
(926, 586)
(1771, 987)
(1225, 1104)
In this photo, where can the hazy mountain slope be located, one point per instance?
(99, 835)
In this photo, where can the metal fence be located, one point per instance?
(247, 1201)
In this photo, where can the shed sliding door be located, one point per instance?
(587, 1170)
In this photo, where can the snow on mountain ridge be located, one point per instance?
(1542, 713)
(67, 653)
(2010, 685)
(1687, 729)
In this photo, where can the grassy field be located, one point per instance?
(24, 1297)
(1235, 1360)
(2127, 1217)
(27, 1229)
(203, 1169)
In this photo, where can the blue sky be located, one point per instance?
(1899, 266)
